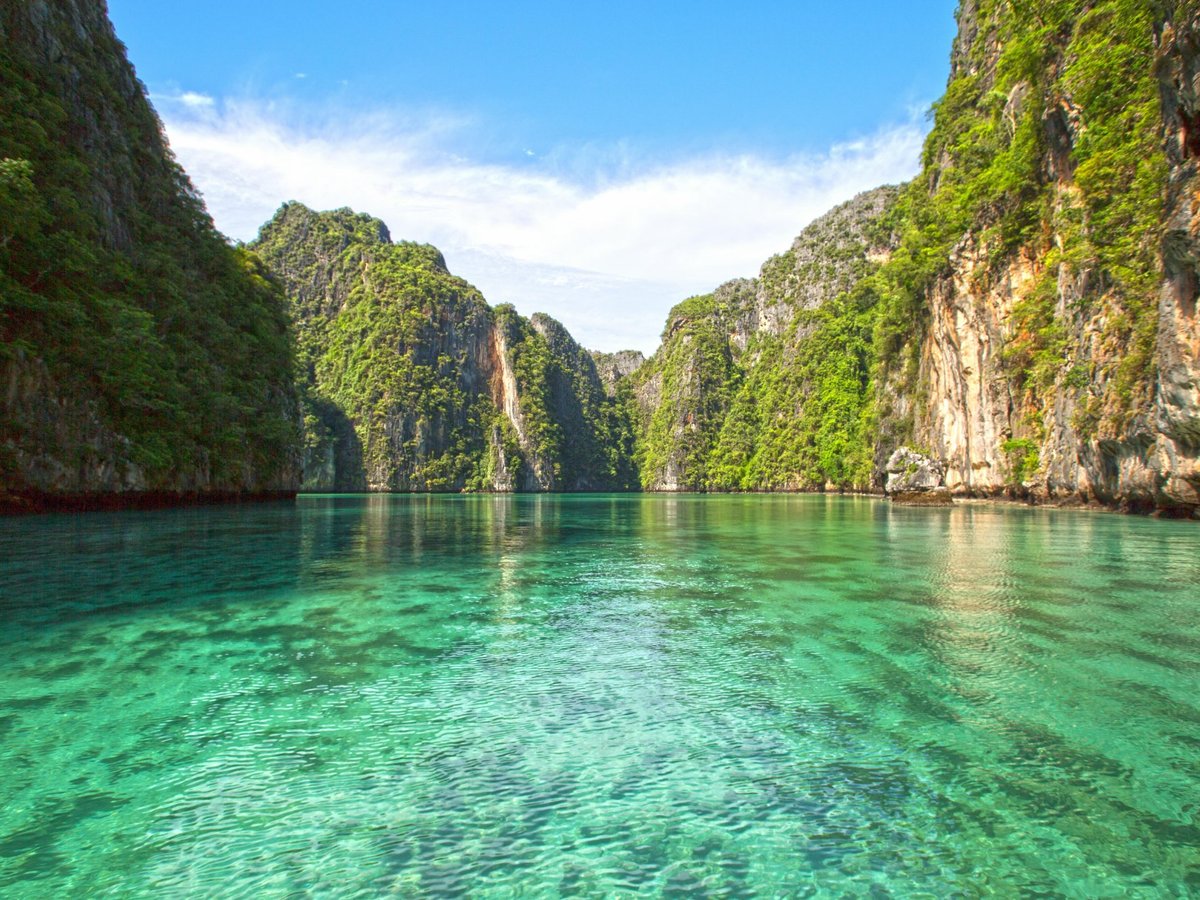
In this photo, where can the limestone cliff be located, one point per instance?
(411, 382)
(140, 355)
(1177, 349)
(1023, 311)
(613, 367)
(1052, 352)
(761, 385)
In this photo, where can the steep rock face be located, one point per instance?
(389, 344)
(1023, 310)
(613, 367)
(742, 393)
(1050, 351)
(830, 257)
(1177, 401)
(681, 395)
(596, 437)
(139, 353)
(411, 382)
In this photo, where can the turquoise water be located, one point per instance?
(597, 696)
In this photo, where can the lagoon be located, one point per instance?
(593, 695)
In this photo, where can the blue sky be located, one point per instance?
(598, 161)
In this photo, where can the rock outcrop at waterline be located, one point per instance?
(915, 479)
(411, 382)
(141, 357)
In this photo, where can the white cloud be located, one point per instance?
(196, 101)
(607, 254)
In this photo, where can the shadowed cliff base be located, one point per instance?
(33, 502)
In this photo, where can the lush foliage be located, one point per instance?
(694, 367)
(1044, 157)
(413, 360)
(797, 420)
(579, 436)
(1023, 458)
(372, 346)
(114, 282)
(789, 409)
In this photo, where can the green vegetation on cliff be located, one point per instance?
(410, 381)
(694, 370)
(765, 385)
(141, 351)
(373, 345)
(1006, 297)
(583, 434)
(1006, 309)
(797, 419)
(1046, 146)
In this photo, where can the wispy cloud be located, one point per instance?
(193, 100)
(606, 249)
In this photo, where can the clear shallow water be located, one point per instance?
(500, 696)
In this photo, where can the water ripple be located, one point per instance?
(589, 696)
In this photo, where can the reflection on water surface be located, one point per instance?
(595, 694)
